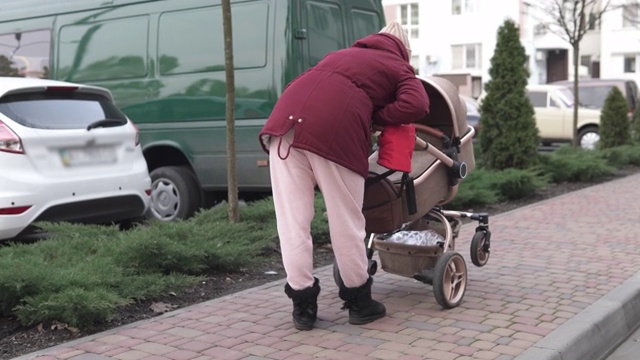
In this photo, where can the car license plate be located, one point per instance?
(88, 156)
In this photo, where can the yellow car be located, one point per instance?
(553, 105)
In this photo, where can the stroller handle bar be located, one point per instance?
(458, 168)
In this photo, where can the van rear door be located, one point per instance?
(329, 25)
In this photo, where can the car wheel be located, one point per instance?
(175, 193)
(588, 138)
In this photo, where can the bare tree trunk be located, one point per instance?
(576, 98)
(232, 181)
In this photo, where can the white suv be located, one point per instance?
(66, 154)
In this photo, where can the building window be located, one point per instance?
(585, 60)
(409, 19)
(467, 56)
(630, 64)
(630, 15)
(470, 56)
(540, 29)
(415, 62)
(459, 7)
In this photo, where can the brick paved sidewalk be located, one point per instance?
(549, 261)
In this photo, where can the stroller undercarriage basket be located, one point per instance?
(410, 260)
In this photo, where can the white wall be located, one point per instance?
(617, 42)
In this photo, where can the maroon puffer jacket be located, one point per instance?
(332, 105)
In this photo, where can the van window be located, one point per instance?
(566, 96)
(25, 54)
(593, 96)
(538, 98)
(97, 51)
(192, 40)
(364, 23)
(326, 30)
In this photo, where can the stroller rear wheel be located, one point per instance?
(450, 279)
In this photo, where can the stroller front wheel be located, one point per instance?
(480, 250)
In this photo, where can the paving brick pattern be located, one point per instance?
(549, 261)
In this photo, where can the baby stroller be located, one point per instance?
(397, 202)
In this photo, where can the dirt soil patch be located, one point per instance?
(16, 340)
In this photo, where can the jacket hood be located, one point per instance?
(385, 42)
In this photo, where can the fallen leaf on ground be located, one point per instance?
(58, 326)
(160, 307)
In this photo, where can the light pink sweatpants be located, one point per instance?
(294, 174)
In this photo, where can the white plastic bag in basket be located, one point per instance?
(420, 238)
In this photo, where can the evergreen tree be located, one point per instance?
(615, 128)
(635, 125)
(509, 136)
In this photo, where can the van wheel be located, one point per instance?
(175, 193)
(588, 138)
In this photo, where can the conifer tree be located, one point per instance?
(635, 125)
(509, 136)
(615, 128)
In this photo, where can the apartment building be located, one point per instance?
(456, 39)
(620, 42)
(453, 38)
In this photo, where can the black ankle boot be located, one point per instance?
(362, 308)
(305, 305)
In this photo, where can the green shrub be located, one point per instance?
(186, 248)
(509, 136)
(515, 184)
(76, 307)
(575, 165)
(471, 196)
(621, 156)
(632, 154)
(614, 121)
(146, 286)
(19, 279)
(164, 248)
(50, 267)
(635, 126)
(320, 224)
(484, 187)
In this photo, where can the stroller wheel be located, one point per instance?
(373, 267)
(450, 279)
(336, 275)
(480, 249)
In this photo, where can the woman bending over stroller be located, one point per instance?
(319, 133)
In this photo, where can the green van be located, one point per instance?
(163, 60)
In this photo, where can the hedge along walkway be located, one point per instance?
(550, 261)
